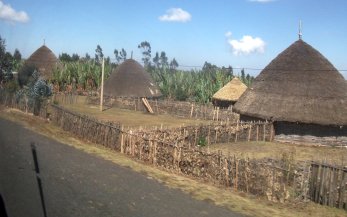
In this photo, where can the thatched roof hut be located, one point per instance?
(229, 94)
(44, 60)
(130, 79)
(299, 86)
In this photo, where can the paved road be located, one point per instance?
(79, 184)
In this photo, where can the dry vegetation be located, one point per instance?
(239, 202)
(130, 118)
(276, 150)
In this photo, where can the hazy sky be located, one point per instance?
(240, 33)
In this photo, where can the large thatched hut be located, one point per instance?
(301, 91)
(229, 94)
(130, 79)
(44, 60)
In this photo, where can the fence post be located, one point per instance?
(122, 141)
(249, 132)
(237, 130)
(342, 190)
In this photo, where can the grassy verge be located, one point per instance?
(236, 201)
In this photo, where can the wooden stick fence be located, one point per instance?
(328, 185)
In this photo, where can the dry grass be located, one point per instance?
(259, 150)
(238, 202)
(130, 118)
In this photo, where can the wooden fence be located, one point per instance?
(85, 127)
(10, 100)
(175, 108)
(268, 178)
(328, 185)
(213, 133)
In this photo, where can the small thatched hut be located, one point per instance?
(301, 91)
(130, 79)
(229, 94)
(44, 60)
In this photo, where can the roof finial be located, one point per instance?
(131, 54)
(300, 30)
(44, 41)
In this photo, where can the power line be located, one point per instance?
(251, 68)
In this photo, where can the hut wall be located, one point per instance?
(311, 133)
(301, 129)
(301, 133)
(223, 103)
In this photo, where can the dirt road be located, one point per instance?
(79, 184)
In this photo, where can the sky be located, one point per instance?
(240, 33)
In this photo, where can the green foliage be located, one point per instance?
(25, 74)
(145, 46)
(82, 75)
(191, 85)
(202, 141)
(34, 92)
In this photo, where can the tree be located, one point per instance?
(35, 92)
(145, 46)
(25, 73)
(173, 64)
(156, 60)
(243, 78)
(64, 57)
(98, 54)
(116, 55)
(6, 59)
(87, 57)
(123, 54)
(75, 57)
(163, 59)
(17, 55)
(120, 55)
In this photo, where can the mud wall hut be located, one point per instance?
(301, 92)
(229, 94)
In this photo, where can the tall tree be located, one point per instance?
(6, 59)
(98, 54)
(163, 59)
(173, 64)
(87, 57)
(156, 60)
(116, 55)
(243, 78)
(123, 54)
(17, 55)
(75, 57)
(145, 46)
(65, 57)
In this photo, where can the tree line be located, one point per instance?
(83, 74)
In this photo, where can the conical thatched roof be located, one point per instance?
(44, 60)
(130, 79)
(231, 91)
(299, 85)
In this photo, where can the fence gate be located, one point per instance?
(328, 185)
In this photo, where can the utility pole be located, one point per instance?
(102, 83)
